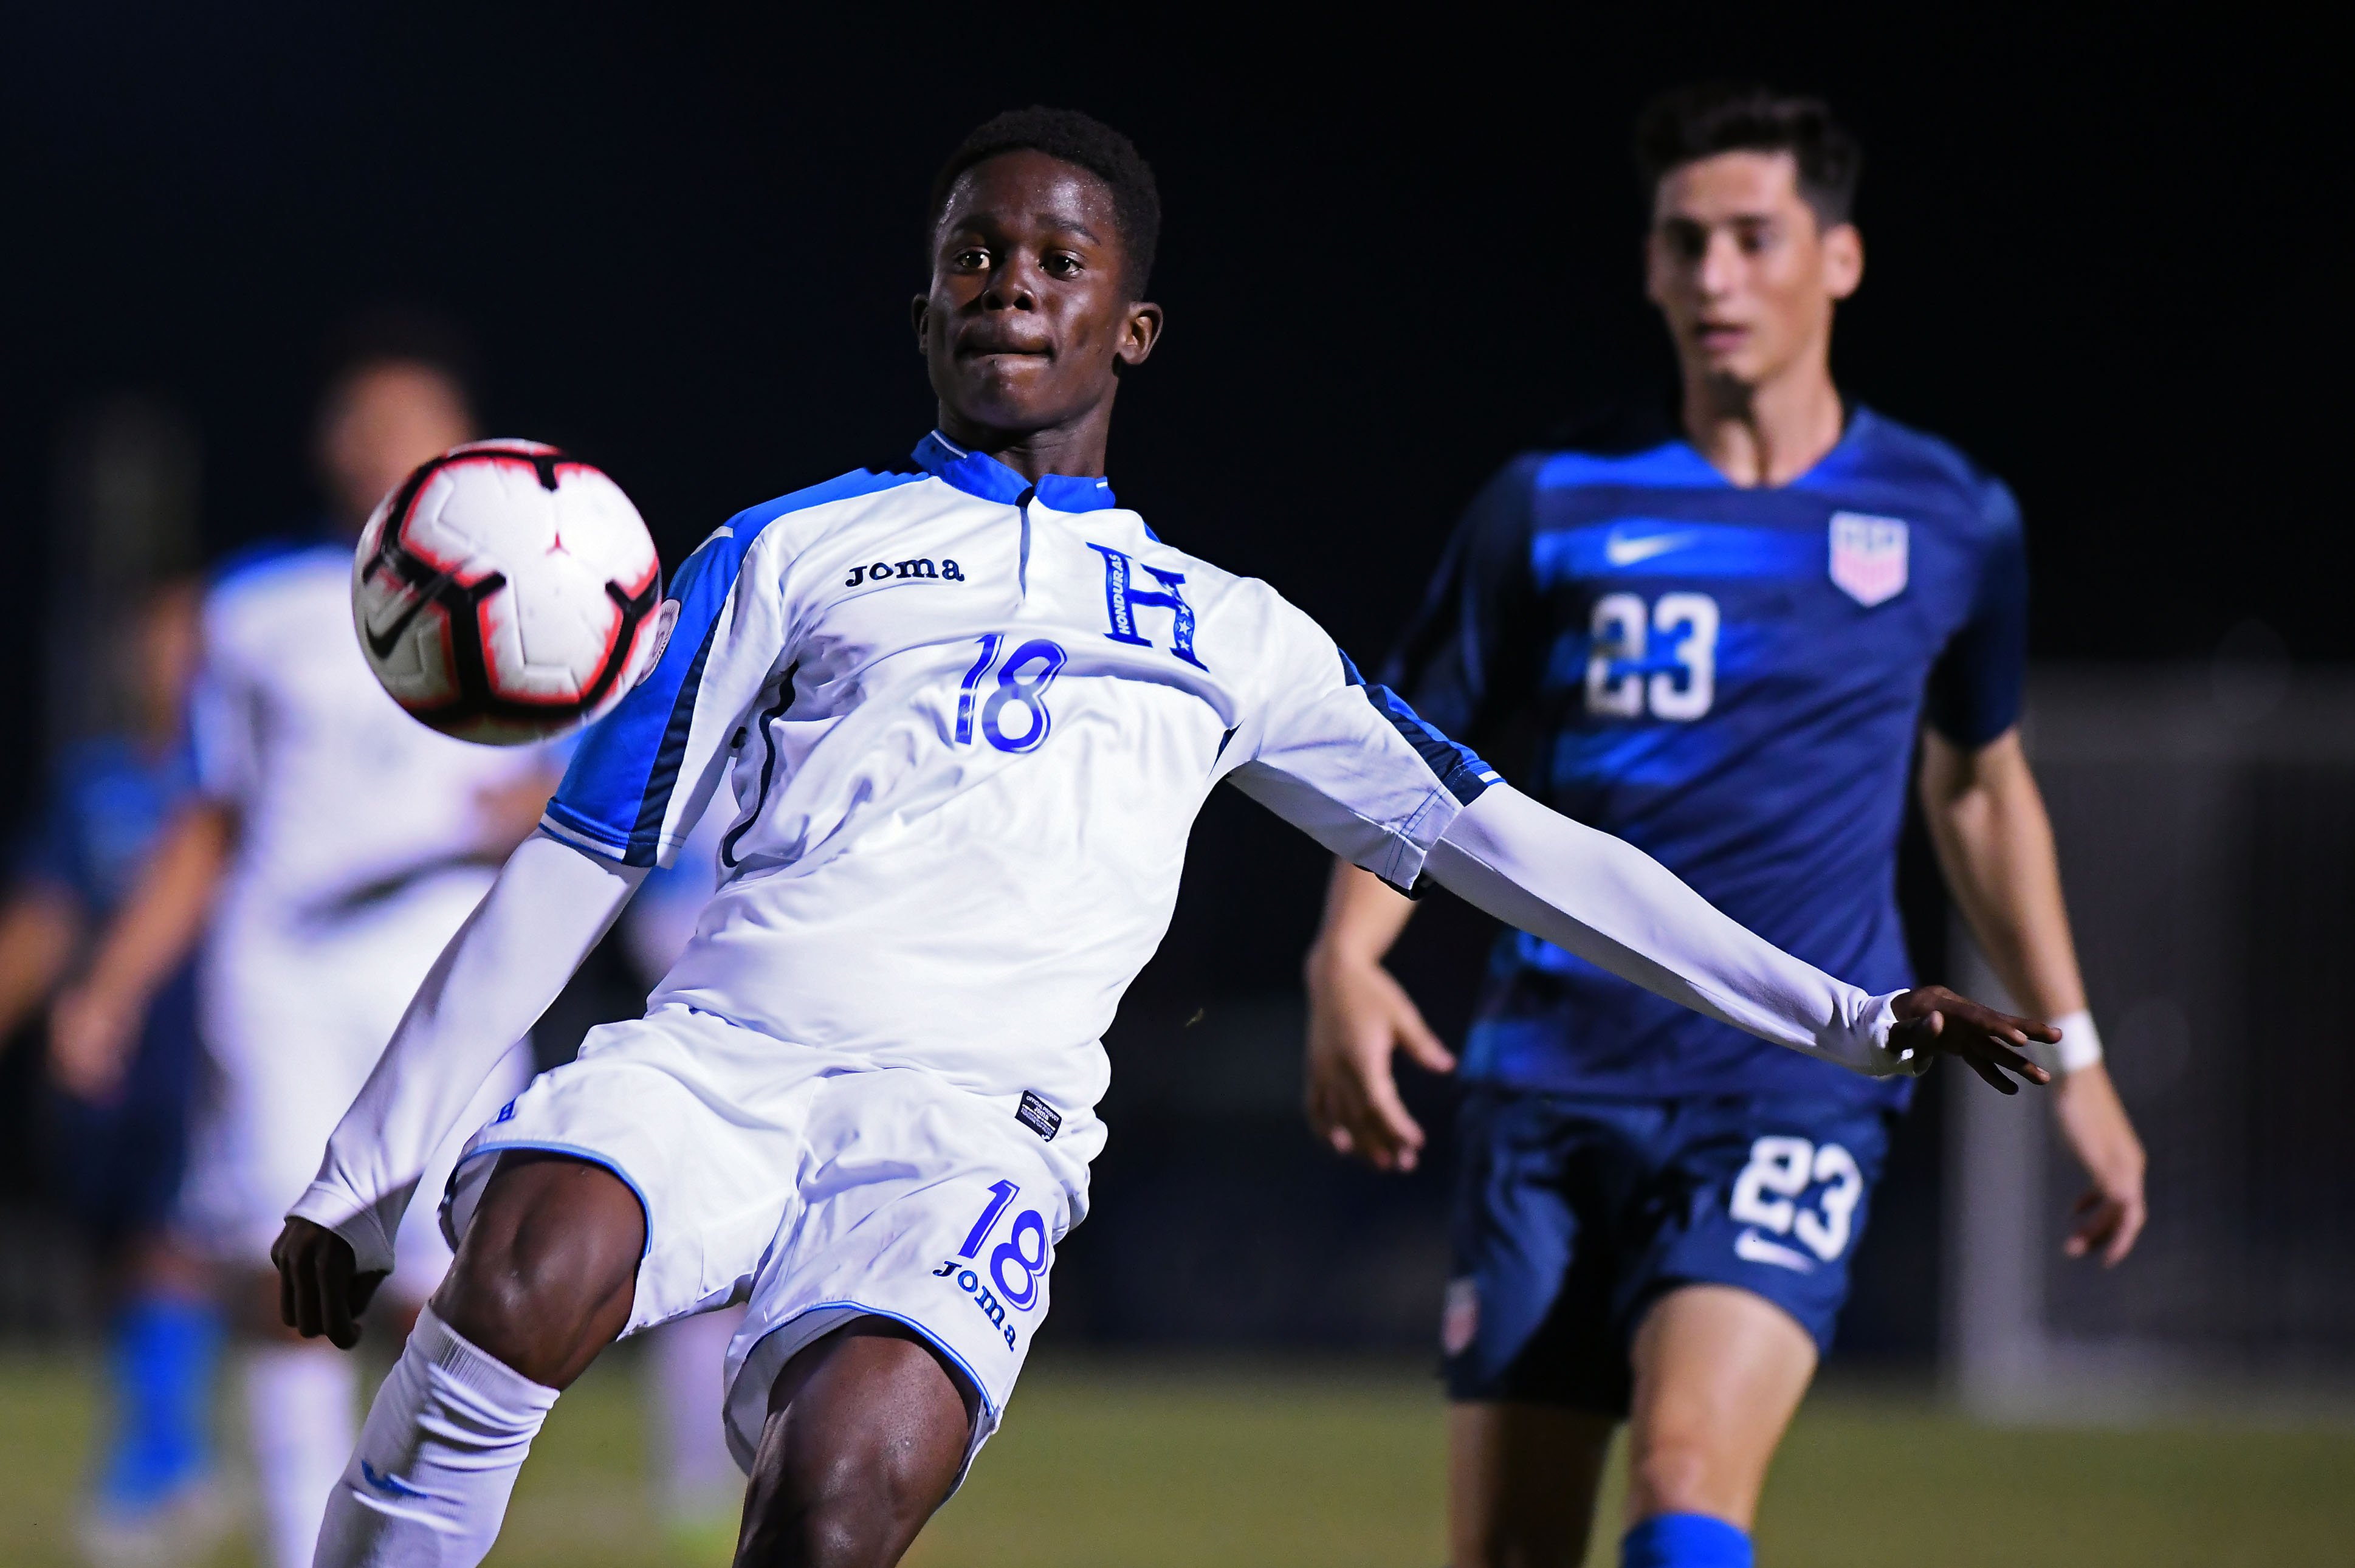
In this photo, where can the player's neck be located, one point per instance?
(1074, 448)
(1767, 433)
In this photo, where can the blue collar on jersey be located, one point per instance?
(977, 474)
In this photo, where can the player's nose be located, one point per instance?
(1013, 285)
(1721, 264)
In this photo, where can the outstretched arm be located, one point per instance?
(1617, 907)
(551, 904)
(1995, 844)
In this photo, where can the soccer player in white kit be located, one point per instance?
(970, 708)
(335, 846)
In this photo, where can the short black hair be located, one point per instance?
(1075, 138)
(1689, 123)
(397, 333)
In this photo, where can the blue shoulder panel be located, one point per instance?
(257, 559)
(1461, 771)
(618, 788)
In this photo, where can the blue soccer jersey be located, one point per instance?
(1730, 679)
(107, 801)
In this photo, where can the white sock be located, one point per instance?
(429, 1484)
(298, 1406)
(697, 1478)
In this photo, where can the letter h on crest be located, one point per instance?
(1123, 598)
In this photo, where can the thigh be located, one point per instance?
(1719, 1374)
(708, 1133)
(1537, 1249)
(545, 1278)
(920, 1204)
(865, 1435)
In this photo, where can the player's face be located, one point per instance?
(1743, 271)
(1030, 313)
(380, 422)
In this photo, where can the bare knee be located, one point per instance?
(1677, 1472)
(545, 1276)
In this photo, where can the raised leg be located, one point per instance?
(1520, 1483)
(543, 1282)
(867, 1430)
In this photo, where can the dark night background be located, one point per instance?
(1395, 252)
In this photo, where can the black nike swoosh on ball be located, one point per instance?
(381, 644)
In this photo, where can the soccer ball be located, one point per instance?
(507, 593)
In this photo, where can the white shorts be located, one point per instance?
(817, 1187)
(291, 1029)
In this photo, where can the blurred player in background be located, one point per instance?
(1729, 639)
(335, 845)
(116, 1125)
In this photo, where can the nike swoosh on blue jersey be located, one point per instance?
(1752, 1247)
(1620, 550)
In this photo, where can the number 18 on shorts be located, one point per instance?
(1009, 1280)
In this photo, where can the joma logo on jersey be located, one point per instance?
(901, 570)
(969, 1280)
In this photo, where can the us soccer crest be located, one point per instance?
(1868, 557)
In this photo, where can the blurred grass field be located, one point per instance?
(1142, 1465)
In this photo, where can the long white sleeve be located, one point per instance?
(550, 905)
(1619, 909)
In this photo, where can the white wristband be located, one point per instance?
(2080, 1047)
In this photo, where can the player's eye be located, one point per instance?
(1062, 264)
(972, 259)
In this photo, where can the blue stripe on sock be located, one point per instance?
(1684, 1540)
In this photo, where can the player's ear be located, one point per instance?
(1142, 331)
(919, 309)
(1843, 260)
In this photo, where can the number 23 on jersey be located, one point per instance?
(1625, 677)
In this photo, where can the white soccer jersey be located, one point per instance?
(361, 851)
(345, 805)
(971, 722)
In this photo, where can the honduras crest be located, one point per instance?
(1868, 557)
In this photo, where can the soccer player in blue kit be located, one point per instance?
(1730, 642)
(969, 707)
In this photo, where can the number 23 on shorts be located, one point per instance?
(1780, 1172)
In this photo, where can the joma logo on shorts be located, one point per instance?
(901, 570)
(970, 1283)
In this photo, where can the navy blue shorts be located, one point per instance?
(1573, 1214)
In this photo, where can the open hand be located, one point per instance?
(319, 1289)
(2110, 1213)
(1357, 1014)
(92, 1032)
(1931, 1018)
